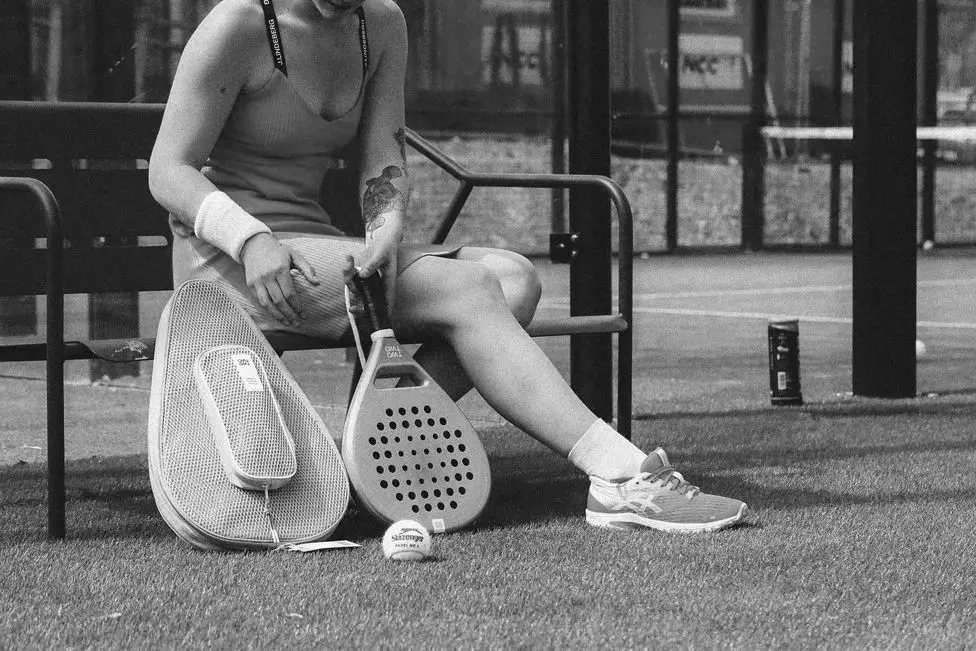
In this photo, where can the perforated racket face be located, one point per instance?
(410, 452)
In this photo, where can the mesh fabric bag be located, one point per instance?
(189, 480)
(253, 441)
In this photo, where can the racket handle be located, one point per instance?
(373, 293)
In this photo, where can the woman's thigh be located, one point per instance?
(323, 304)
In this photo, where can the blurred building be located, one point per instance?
(490, 65)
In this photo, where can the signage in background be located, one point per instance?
(711, 62)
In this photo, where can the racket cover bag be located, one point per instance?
(295, 488)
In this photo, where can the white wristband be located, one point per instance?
(224, 224)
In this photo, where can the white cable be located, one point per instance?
(267, 513)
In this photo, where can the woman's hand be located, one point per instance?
(268, 268)
(382, 242)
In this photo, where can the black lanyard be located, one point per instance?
(278, 50)
(274, 36)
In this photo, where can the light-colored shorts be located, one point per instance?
(323, 304)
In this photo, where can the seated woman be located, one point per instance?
(259, 105)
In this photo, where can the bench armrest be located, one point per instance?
(49, 209)
(470, 180)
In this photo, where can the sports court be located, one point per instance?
(740, 170)
(700, 345)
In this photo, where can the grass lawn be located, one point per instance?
(862, 532)
(862, 535)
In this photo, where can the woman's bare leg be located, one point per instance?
(520, 286)
(461, 303)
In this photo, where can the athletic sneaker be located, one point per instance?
(659, 498)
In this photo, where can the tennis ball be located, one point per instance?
(928, 245)
(406, 540)
(919, 348)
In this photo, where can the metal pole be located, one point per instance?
(674, 108)
(558, 221)
(113, 315)
(885, 187)
(177, 17)
(753, 152)
(591, 365)
(930, 117)
(15, 67)
(56, 482)
(18, 314)
(836, 151)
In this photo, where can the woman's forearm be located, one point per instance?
(385, 196)
(179, 188)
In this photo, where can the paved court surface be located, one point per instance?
(700, 346)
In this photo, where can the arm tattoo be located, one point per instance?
(401, 138)
(381, 196)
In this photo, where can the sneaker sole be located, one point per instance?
(633, 521)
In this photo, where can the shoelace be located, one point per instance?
(673, 480)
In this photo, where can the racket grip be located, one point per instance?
(373, 293)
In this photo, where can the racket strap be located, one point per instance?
(355, 328)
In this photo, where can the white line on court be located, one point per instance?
(772, 291)
(764, 316)
(948, 325)
(337, 410)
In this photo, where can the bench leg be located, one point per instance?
(55, 451)
(56, 528)
(625, 382)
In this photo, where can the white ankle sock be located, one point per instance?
(604, 453)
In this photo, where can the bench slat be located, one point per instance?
(577, 325)
(143, 349)
(95, 203)
(77, 130)
(89, 270)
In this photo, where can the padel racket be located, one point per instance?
(409, 450)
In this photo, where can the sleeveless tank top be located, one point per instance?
(275, 149)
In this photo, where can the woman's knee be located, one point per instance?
(449, 295)
(522, 287)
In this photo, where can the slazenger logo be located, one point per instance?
(409, 535)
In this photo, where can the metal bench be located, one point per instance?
(76, 217)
